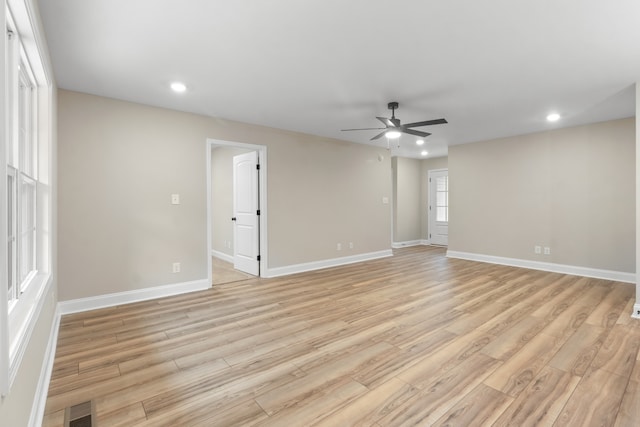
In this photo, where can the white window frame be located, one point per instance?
(12, 252)
(28, 167)
(23, 54)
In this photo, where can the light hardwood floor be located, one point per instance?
(223, 272)
(414, 339)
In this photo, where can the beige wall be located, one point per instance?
(323, 192)
(571, 189)
(637, 305)
(222, 198)
(119, 163)
(406, 200)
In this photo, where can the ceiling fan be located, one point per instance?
(393, 128)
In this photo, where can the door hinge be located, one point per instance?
(258, 212)
(429, 235)
(258, 166)
(258, 257)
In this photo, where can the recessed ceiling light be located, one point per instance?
(178, 87)
(392, 134)
(420, 141)
(424, 152)
(553, 117)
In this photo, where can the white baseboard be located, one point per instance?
(110, 300)
(317, 265)
(406, 244)
(636, 311)
(42, 389)
(617, 276)
(222, 256)
(92, 303)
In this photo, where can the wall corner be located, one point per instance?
(636, 307)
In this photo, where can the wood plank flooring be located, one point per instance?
(223, 272)
(414, 339)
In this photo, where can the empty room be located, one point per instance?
(320, 213)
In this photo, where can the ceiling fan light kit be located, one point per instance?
(392, 134)
(393, 127)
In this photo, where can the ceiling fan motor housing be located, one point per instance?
(392, 106)
(394, 125)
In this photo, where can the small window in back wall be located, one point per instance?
(442, 199)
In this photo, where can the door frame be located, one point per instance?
(262, 199)
(431, 200)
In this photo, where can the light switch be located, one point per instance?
(175, 199)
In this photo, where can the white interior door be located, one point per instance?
(439, 207)
(246, 241)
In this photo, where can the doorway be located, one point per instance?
(439, 207)
(236, 248)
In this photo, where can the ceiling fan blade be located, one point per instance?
(378, 136)
(425, 123)
(414, 132)
(386, 122)
(343, 130)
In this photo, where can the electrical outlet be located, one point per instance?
(176, 267)
(547, 250)
(537, 249)
(339, 246)
(175, 199)
(350, 245)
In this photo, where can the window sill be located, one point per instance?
(22, 320)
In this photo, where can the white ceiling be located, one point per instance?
(492, 68)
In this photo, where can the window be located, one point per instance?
(442, 199)
(25, 186)
(21, 185)
(27, 151)
(11, 234)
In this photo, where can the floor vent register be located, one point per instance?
(80, 415)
